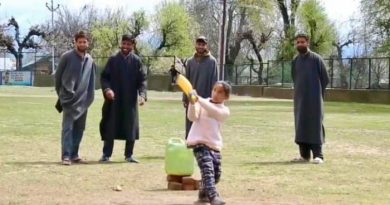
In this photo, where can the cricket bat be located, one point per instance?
(183, 84)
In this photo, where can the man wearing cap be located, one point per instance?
(201, 70)
(124, 87)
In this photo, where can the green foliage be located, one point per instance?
(108, 31)
(174, 27)
(106, 39)
(377, 18)
(259, 12)
(316, 23)
(286, 49)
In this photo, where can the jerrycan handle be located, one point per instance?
(176, 141)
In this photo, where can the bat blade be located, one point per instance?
(184, 84)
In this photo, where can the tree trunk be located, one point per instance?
(19, 61)
(285, 16)
(259, 59)
(234, 49)
(343, 71)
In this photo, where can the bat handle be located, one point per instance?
(193, 98)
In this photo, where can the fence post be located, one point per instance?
(369, 73)
(235, 67)
(350, 73)
(282, 73)
(250, 74)
(5, 64)
(389, 73)
(331, 73)
(268, 73)
(35, 63)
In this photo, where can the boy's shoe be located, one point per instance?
(318, 160)
(131, 160)
(202, 197)
(217, 201)
(66, 161)
(299, 160)
(104, 159)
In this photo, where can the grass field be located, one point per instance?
(258, 141)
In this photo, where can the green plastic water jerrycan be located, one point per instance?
(179, 160)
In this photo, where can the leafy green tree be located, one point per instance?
(173, 30)
(108, 30)
(316, 23)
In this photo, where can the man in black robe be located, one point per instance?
(124, 86)
(310, 80)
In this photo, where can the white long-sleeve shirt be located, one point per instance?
(207, 118)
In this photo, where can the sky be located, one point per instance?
(32, 12)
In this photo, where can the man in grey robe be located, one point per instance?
(310, 80)
(75, 86)
(202, 72)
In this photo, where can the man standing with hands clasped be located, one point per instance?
(310, 80)
(123, 84)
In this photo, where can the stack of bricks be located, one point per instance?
(182, 183)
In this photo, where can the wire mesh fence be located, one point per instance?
(347, 73)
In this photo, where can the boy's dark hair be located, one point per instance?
(81, 34)
(302, 35)
(226, 87)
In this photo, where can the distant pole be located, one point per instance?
(52, 9)
(222, 43)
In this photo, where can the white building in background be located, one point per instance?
(7, 64)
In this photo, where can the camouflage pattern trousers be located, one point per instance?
(209, 162)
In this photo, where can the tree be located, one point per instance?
(3, 38)
(316, 23)
(234, 41)
(173, 30)
(206, 16)
(108, 30)
(248, 20)
(67, 23)
(243, 17)
(25, 43)
(288, 11)
(376, 15)
(257, 43)
(343, 71)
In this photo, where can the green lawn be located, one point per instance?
(258, 141)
